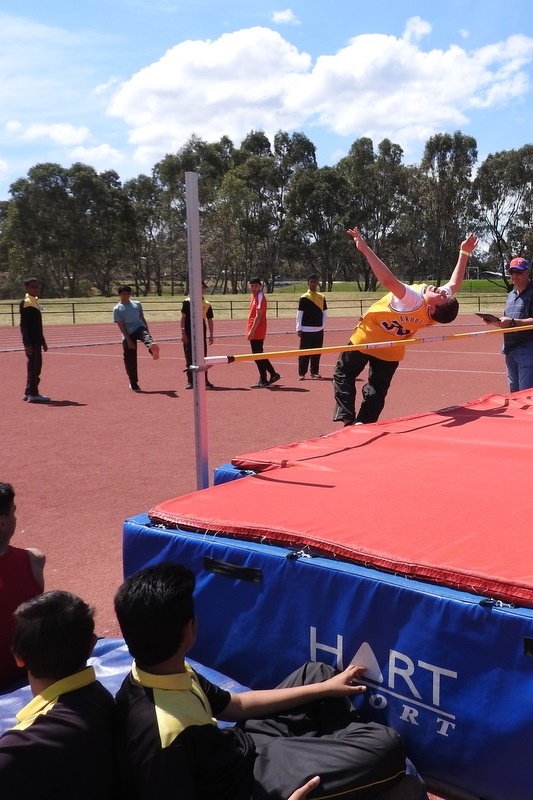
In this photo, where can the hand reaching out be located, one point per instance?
(303, 791)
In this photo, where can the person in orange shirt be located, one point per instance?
(256, 331)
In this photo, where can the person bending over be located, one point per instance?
(395, 317)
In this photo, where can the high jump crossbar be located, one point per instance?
(212, 360)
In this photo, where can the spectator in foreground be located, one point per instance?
(167, 731)
(21, 578)
(63, 745)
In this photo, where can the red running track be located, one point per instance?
(100, 453)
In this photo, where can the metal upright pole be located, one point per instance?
(197, 329)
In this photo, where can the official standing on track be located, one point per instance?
(310, 321)
(518, 345)
(31, 328)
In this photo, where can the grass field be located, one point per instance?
(342, 301)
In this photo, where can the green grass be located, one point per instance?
(343, 301)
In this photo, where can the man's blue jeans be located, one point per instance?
(519, 363)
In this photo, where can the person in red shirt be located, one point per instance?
(21, 579)
(256, 331)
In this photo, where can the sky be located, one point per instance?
(118, 84)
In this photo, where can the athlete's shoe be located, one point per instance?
(135, 387)
(260, 385)
(315, 375)
(37, 398)
(274, 379)
(154, 350)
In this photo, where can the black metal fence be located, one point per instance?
(71, 312)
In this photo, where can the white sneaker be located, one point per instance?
(38, 398)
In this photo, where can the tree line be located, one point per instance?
(267, 209)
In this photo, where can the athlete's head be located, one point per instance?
(441, 306)
(153, 607)
(54, 635)
(445, 312)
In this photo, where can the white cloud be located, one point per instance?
(101, 157)
(60, 133)
(287, 17)
(416, 29)
(13, 126)
(376, 86)
(213, 88)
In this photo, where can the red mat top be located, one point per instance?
(445, 497)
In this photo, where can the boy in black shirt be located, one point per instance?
(167, 731)
(63, 744)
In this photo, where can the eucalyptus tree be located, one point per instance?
(245, 220)
(103, 224)
(377, 201)
(291, 153)
(316, 203)
(38, 230)
(264, 172)
(445, 196)
(211, 161)
(69, 227)
(504, 193)
(143, 247)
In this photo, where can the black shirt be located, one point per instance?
(170, 746)
(66, 753)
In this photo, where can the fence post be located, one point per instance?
(73, 313)
(12, 315)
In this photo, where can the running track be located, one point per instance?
(100, 453)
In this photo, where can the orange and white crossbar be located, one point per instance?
(211, 360)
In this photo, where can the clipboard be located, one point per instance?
(487, 317)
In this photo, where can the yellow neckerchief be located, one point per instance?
(42, 703)
(30, 300)
(205, 306)
(316, 297)
(179, 701)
